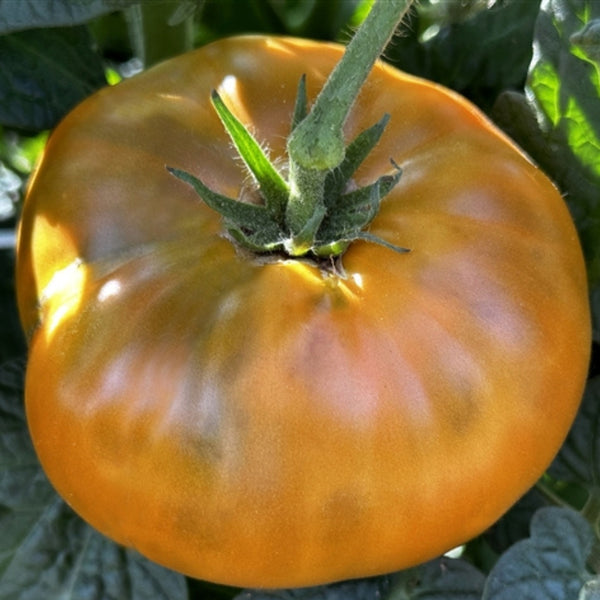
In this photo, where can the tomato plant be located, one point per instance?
(251, 405)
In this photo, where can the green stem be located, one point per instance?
(316, 145)
(157, 32)
(547, 491)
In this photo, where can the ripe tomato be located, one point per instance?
(265, 423)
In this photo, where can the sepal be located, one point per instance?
(273, 188)
(251, 223)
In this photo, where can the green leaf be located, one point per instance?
(550, 565)
(314, 18)
(17, 15)
(46, 550)
(514, 524)
(274, 189)
(438, 579)
(363, 589)
(588, 40)
(479, 56)
(44, 74)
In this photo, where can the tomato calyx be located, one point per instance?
(317, 211)
(339, 219)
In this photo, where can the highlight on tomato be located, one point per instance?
(311, 363)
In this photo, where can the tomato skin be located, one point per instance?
(269, 425)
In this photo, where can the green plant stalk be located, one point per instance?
(317, 146)
(153, 37)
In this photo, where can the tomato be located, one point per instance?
(267, 422)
